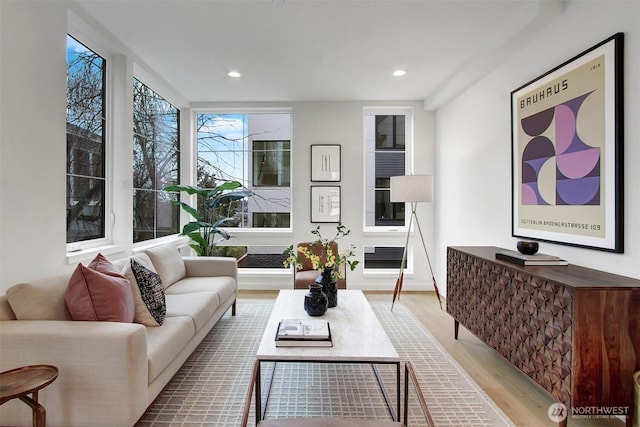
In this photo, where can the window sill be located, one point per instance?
(179, 240)
(265, 272)
(90, 253)
(386, 272)
(373, 231)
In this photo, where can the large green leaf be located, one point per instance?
(194, 225)
(228, 185)
(197, 237)
(187, 189)
(188, 209)
(222, 221)
(199, 249)
(223, 233)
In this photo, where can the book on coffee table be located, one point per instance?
(303, 333)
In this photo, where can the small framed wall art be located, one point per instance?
(325, 203)
(567, 158)
(325, 163)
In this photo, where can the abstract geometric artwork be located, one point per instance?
(567, 151)
(574, 164)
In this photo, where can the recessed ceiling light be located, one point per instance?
(234, 74)
(398, 73)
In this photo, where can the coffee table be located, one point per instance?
(356, 332)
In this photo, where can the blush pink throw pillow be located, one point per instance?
(99, 292)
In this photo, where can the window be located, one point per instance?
(254, 149)
(86, 179)
(383, 257)
(256, 257)
(271, 160)
(156, 159)
(386, 139)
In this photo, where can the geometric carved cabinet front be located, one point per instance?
(574, 331)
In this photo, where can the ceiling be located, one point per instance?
(319, 50)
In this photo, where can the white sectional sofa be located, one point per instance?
(110, 372)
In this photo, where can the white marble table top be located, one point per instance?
(356, 332)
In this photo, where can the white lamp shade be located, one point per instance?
(411, 188)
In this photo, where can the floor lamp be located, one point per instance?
(412, 189)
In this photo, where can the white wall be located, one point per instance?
(32, 140)
(341, 123)
(33, 159)
(473, 160)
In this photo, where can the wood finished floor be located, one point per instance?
(511, 390)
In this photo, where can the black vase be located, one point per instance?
(315, 301)
(329, 287)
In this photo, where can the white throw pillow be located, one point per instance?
(168, 263)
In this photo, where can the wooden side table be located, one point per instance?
(20, 382)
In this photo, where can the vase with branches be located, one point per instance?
(324, 258)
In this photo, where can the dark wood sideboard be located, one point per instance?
(574, 331)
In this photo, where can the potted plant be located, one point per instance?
(219, 207)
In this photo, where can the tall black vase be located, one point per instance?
(329, 287)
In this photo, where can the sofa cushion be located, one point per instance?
(5, 309)
(199, 306)
(148, 294)
(142, 312)
(166, 342)
(41, 299)
(210, 266)
(99, 292)
(224, 286)
(140, 257)
(168, 263)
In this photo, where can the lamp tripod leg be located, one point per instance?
(433, 277)
(400, 279)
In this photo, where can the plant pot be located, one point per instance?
(315, 301)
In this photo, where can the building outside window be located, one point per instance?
(156, 159)
(382, 257)
(388, 139)
(254, 149)
(386, 156)
(86, 176)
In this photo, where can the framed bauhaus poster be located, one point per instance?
(567, 158)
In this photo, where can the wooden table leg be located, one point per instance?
(39, 413)
(258, 394)
(20, 382)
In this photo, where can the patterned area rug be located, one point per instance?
(210, 388)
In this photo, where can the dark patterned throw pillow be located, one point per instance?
(151, 291)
